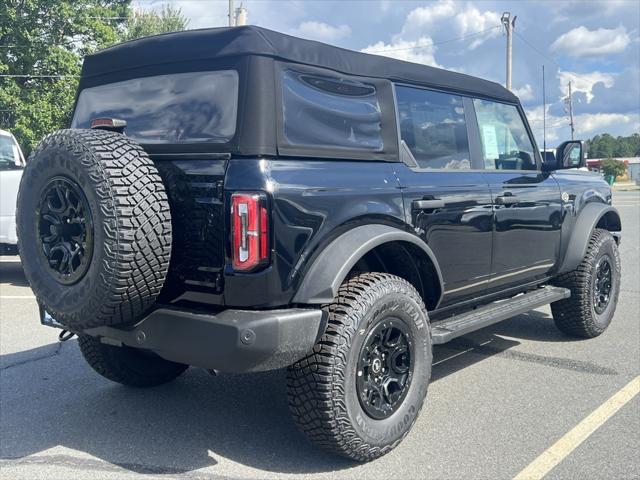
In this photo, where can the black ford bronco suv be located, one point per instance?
(241, 200)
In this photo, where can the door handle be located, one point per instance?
(428, 204)
(507, 200)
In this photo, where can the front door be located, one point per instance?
(446, 200)
(527, 201)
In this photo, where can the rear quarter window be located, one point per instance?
(195, 107)
(329, 112)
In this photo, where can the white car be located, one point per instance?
(11, 166)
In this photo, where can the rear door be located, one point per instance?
(527, 201)
(446, 199)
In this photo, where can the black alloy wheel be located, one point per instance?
(361, 389)
(602, 285)
(595, 287)
(65, 230)
(384, 369)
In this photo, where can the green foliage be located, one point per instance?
(144, 23)
(613, 167)
(42, 43)
(607, 146)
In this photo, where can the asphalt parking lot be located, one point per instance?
(499, 398)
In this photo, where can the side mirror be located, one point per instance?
(571, 154)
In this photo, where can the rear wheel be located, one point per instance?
(594, 286)
(126, 365)
(360, 391)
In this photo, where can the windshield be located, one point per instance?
(178, 108)
(10, 158)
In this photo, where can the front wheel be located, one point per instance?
(594, 286)
(360, 391)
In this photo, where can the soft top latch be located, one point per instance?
(112, 124)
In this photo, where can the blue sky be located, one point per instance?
(594, 44)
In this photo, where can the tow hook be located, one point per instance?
(65, 335)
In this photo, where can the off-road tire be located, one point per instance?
(322, 387)
(576, 316)
(131, 227)
(127, 365)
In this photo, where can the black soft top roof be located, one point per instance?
(213, 43)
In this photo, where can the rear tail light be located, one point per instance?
(249, 231)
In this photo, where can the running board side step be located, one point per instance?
(445, 330)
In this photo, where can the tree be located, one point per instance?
(613, 167)
(42, 43)
(606, 146)
(142, 23)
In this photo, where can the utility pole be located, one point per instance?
(241, 16)
(232, 14)
(509, 25)
(544, 116)
(571, 111)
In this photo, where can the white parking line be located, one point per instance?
(578, 434)
(15, 297)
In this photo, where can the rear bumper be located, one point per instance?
(230, 341)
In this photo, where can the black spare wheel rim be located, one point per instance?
(603, 285)
(384, 368)
(65, 230)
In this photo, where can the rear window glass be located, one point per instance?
(327, 112)
(178, 108)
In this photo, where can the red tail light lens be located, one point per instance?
(250, 231)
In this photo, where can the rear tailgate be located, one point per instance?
(195, 191)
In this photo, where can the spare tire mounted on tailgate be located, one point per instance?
(94, 228)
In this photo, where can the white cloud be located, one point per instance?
(449, 19)
(589, 124)
(465, 19)
(584, 82)
(582, 42)
(524, 93)
(472, 20)
(322, 31)
(422, 17)
(408, 50)
(537, 121)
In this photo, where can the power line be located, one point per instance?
(436, 43)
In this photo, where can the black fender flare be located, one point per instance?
(588, 218)
(324, 277)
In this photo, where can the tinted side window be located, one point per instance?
(177, 108)
(433, 126)
(330, 112)
(505, 142)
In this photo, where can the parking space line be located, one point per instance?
(578, 434)
(15, 297)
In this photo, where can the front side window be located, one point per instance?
(189, 107)
(433, 126)
(330, 112)
(505, 141)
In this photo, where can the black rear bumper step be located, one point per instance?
(445, 330)
(235, 341)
